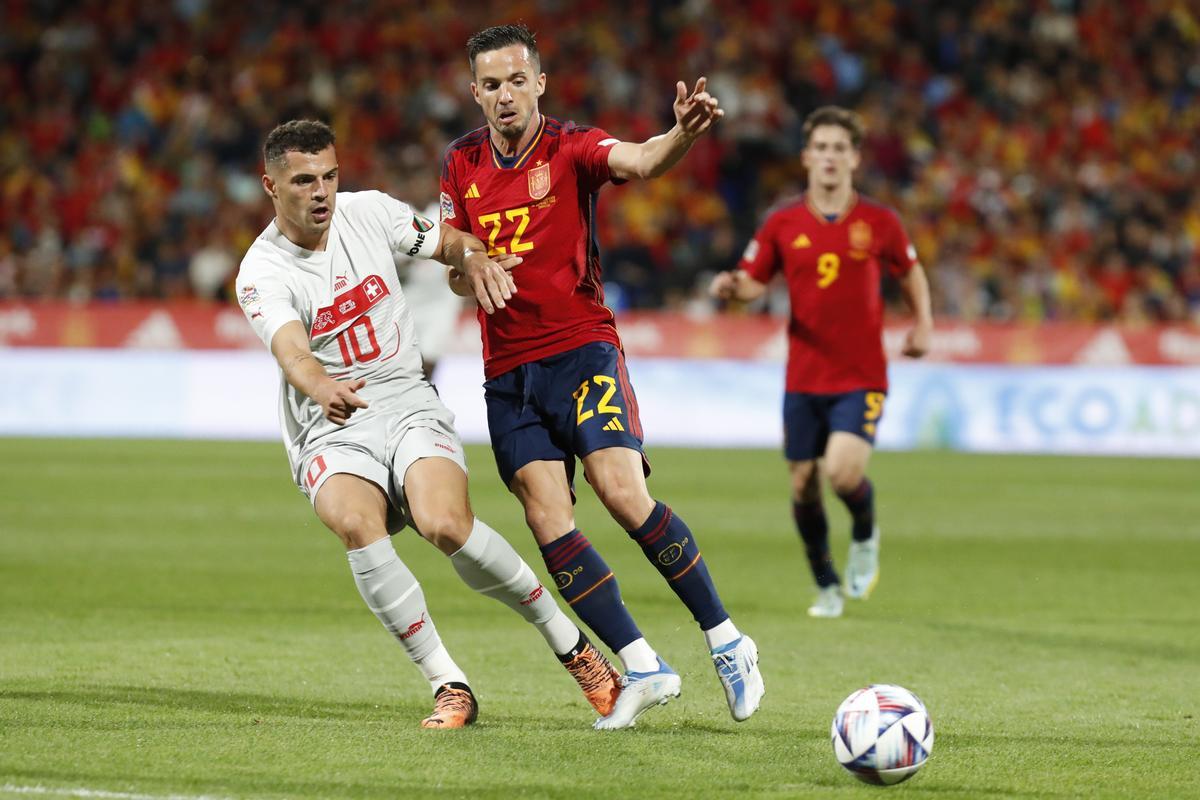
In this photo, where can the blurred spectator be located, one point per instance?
(1043, 153)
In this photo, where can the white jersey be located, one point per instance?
(435, 308)
(348, 298)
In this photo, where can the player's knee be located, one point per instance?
(806, 485)
(807, 491)
(446, 528)
(844, 478)
(357, 529)
(546, 522)
(627, 500)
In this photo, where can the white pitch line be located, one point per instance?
(51, 791)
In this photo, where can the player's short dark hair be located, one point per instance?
(499, 36)
(297, 135)
(836, 115)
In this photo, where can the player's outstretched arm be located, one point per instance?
(472, 273)
(736, 284)
(916, 291)
(338, 399)
(695, 113)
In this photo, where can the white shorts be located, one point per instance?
(381, 450)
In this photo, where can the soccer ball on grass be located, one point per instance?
(882, 734)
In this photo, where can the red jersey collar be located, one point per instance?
(517, 161)
(820, 217)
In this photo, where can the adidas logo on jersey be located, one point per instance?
(801, 241)
(614, 424)
(473, 192)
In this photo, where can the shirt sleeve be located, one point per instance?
(266, 302)
(450, 202)
(410, 233)
(761, 258)
(590, 149)
(899, 255)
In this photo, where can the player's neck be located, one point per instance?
(831, 200)
(510, 147)
(315, 243)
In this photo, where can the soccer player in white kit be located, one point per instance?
(434, 306)
(367, 438)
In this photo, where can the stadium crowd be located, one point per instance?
(1043, 154)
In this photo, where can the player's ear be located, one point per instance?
(541, 84)
(268, 184)
(475, 93)
(855, 158)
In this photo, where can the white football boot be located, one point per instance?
(862, 567)
(828, 604)
(640, 691)
(737, 667)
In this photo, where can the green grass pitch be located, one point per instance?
(174, 621)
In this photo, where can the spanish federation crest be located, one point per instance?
(539, 181)
(860, 235)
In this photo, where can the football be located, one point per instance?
(882, 734)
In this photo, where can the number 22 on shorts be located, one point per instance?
(602, 406)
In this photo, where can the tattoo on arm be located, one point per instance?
(295, 360)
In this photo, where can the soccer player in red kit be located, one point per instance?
(556, 386)
(831, 246)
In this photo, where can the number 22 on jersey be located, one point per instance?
(493, 223)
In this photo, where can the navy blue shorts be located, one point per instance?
(808, 419)
(562, 407)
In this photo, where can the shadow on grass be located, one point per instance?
(252, 708)
(217, 702)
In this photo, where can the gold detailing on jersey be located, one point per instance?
(860, 235)
(539, 182)
(523, 158)
(472, 193)
(492, 223)
(801, 241)
(828, 265)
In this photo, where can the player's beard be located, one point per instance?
(515, 129)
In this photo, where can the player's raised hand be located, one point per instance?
(339, 399)
(490, 281)
(695, 112)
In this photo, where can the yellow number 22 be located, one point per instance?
(515, 245)
(602, 407)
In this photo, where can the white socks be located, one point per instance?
(392, 593)
(638, 656)
(721, 634)
(489, 565)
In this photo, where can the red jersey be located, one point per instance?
(835, 336)
(539, 204)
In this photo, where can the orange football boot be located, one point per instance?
(453, 707)
(596, 677)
